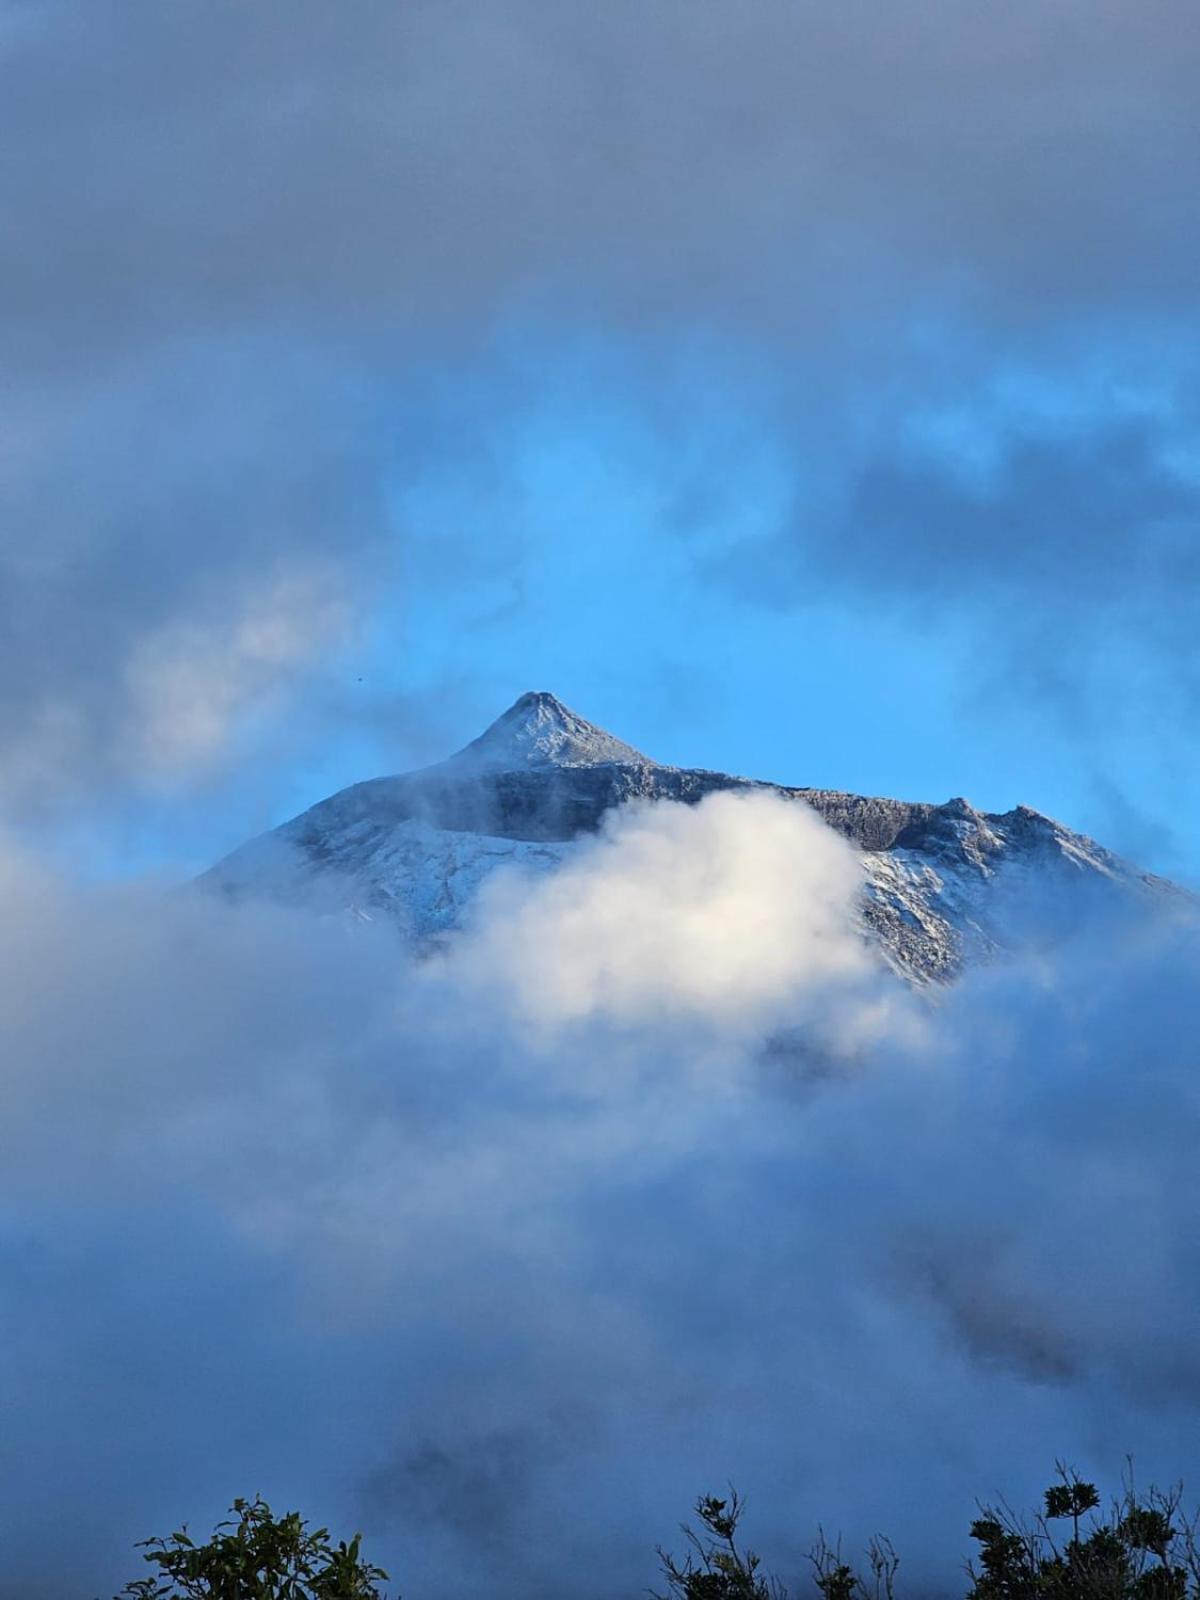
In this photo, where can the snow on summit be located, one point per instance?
(939, 882)
(539, 731)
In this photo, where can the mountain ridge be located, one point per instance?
(938, 879)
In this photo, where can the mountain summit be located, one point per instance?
(939, 881)
(539, 731)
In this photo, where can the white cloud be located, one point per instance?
(734, 912)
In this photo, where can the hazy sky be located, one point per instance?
(803, 388)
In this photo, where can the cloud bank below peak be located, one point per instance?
(545, 1237)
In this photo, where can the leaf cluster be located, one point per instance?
(1142, 1548)
(254, 1555)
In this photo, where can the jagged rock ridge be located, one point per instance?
(940, 881)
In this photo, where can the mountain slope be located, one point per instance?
(941, 883)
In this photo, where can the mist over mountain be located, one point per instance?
(942, 884)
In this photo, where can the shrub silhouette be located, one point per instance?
(1143, 1547)
(714, 1568)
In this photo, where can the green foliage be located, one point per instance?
(256, 1556)
(1072, 1498)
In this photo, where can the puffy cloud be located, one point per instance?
(733, 913)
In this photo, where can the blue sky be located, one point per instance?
(791, 391)
(651, 549)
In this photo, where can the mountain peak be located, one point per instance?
(539, 731)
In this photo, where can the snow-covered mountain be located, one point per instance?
(942, 884)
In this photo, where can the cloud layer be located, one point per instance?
(426, 164)
(506, 1258)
